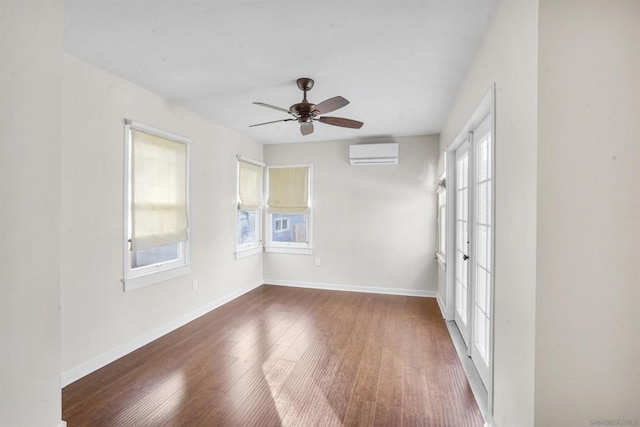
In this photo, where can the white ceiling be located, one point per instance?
(399, 62)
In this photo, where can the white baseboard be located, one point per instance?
(63, 423)
(441, 305)
(98, 362)
(350, 288)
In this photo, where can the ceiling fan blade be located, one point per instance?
(273, 107)
(275, 121)
(339, 121)
(306, 128)
(331, 104)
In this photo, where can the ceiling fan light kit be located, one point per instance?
(306, 113)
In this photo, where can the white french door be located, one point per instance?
(462, 241)
(474, 245)
(482, 249)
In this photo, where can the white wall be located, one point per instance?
(97, 315)
(508, 57)
(30, 138)
(588, 275)
(373, 226)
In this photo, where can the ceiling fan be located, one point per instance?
(306, 113)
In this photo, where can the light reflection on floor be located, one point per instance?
(162, 400)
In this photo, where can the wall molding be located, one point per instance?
(441, 305)
(351, 288)
(98, 362)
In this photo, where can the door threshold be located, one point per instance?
(477, 387)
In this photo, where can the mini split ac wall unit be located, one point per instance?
(373, 154)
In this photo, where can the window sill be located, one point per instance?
(441, 261)
(144, 280)
(291, 250)
(244, 253)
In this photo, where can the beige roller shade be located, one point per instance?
(159, 191)
(289, 190)
(249, 186)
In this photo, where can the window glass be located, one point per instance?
(247, 233)
(289, 228)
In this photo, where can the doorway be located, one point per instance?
(470, 280)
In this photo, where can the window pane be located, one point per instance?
(289, 228)
(155, 255)
(246, 227)
(442, 240)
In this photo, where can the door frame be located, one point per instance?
(484, 108)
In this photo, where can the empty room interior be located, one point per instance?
(332, 213)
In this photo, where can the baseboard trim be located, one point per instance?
(350, 288)
(63, 423)
(441, 305)
(475, 383)
(104, 359)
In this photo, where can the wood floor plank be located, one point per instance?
(363, 399)
(281, 356)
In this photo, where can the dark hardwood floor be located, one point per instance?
(291, 357)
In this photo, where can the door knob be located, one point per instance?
(465, 257)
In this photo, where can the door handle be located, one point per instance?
(465, 257)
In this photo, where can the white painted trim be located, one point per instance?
(157, 131)
(441, 305)
(63, 423)
(351, 288)
(137, 282)
(244, 253)
(291, 250)
(475, 383)
(247, 160)
(98, 362)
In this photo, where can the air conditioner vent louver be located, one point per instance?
(373, 154)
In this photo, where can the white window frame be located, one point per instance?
(246, 250)
(282, 228)
(290, 247)
(441, 216)
(135, 278)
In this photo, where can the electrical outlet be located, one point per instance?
(317, 262)
(194, 284)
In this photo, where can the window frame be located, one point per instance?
(441, 238)
(289, 247)
(282, 228)
(135, 278)
(243, 251)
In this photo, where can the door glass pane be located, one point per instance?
(462, 237)
(482, 249)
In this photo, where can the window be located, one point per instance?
(289, 209)
(281, 223)
(249, 207)
(442, 221)
(157, 205)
